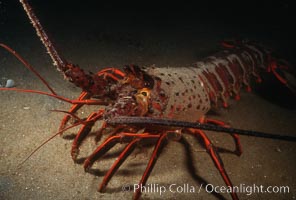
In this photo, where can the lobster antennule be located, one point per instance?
(47, 141)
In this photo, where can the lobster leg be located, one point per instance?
(111, 142)
(238, 146)
(114, 74)
(73, 109)
(216, 158)
(121, 158)
(157, 150)
(84, 131)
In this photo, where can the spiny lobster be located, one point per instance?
(165, 98)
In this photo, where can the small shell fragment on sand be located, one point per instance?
(10, 83)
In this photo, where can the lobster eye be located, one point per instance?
(143, 93)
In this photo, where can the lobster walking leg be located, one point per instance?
(216, 158)
(108, 73)
(238, 146)
(112, 73)
(84, 131)
(73, 109)
(121, 158)
(156, 152)
(111, 142)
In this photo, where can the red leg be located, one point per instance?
(112, 73)
(73, 109)
(111, 142)
(235, 137)
(121, 158)
(84, 131)
(108, 72)
(158, 147)
(216, 159)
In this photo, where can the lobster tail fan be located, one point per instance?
(236, 43)
(284, 72)
(290, 76)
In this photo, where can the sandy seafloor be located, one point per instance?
(97, 37)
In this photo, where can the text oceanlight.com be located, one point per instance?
(210, 188)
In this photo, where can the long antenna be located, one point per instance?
(184, 124)
(55, 56)
(28, 66)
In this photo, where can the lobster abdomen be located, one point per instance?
(192, 91)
